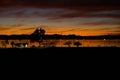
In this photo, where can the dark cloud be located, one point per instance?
(118, 27)
(3, 28)
(87, 14)
(32, 28)
(103, 23)
(18, 8)
(57, 14)
(10, 26)
(118, 31)
(75, 4)
(16, 25)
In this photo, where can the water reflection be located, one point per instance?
(63, 43)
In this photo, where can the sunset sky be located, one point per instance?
(80, 17)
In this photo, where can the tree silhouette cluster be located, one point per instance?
(37, 35)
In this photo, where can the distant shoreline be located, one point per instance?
(58, 36)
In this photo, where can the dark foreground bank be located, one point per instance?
(58, 51)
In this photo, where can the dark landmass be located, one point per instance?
(57, 36)
(62, 51)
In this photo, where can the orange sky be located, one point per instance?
(80, 17)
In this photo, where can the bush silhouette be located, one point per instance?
(68, 43)
(77, 43)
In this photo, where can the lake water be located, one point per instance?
(61, 43)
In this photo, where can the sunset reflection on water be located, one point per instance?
(61, 43)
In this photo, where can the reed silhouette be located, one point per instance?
(68, 43)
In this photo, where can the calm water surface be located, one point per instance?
(61, 43)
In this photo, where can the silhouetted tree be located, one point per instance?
(77, 43)
(12, 43)
(38, 35)
(68, 43)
